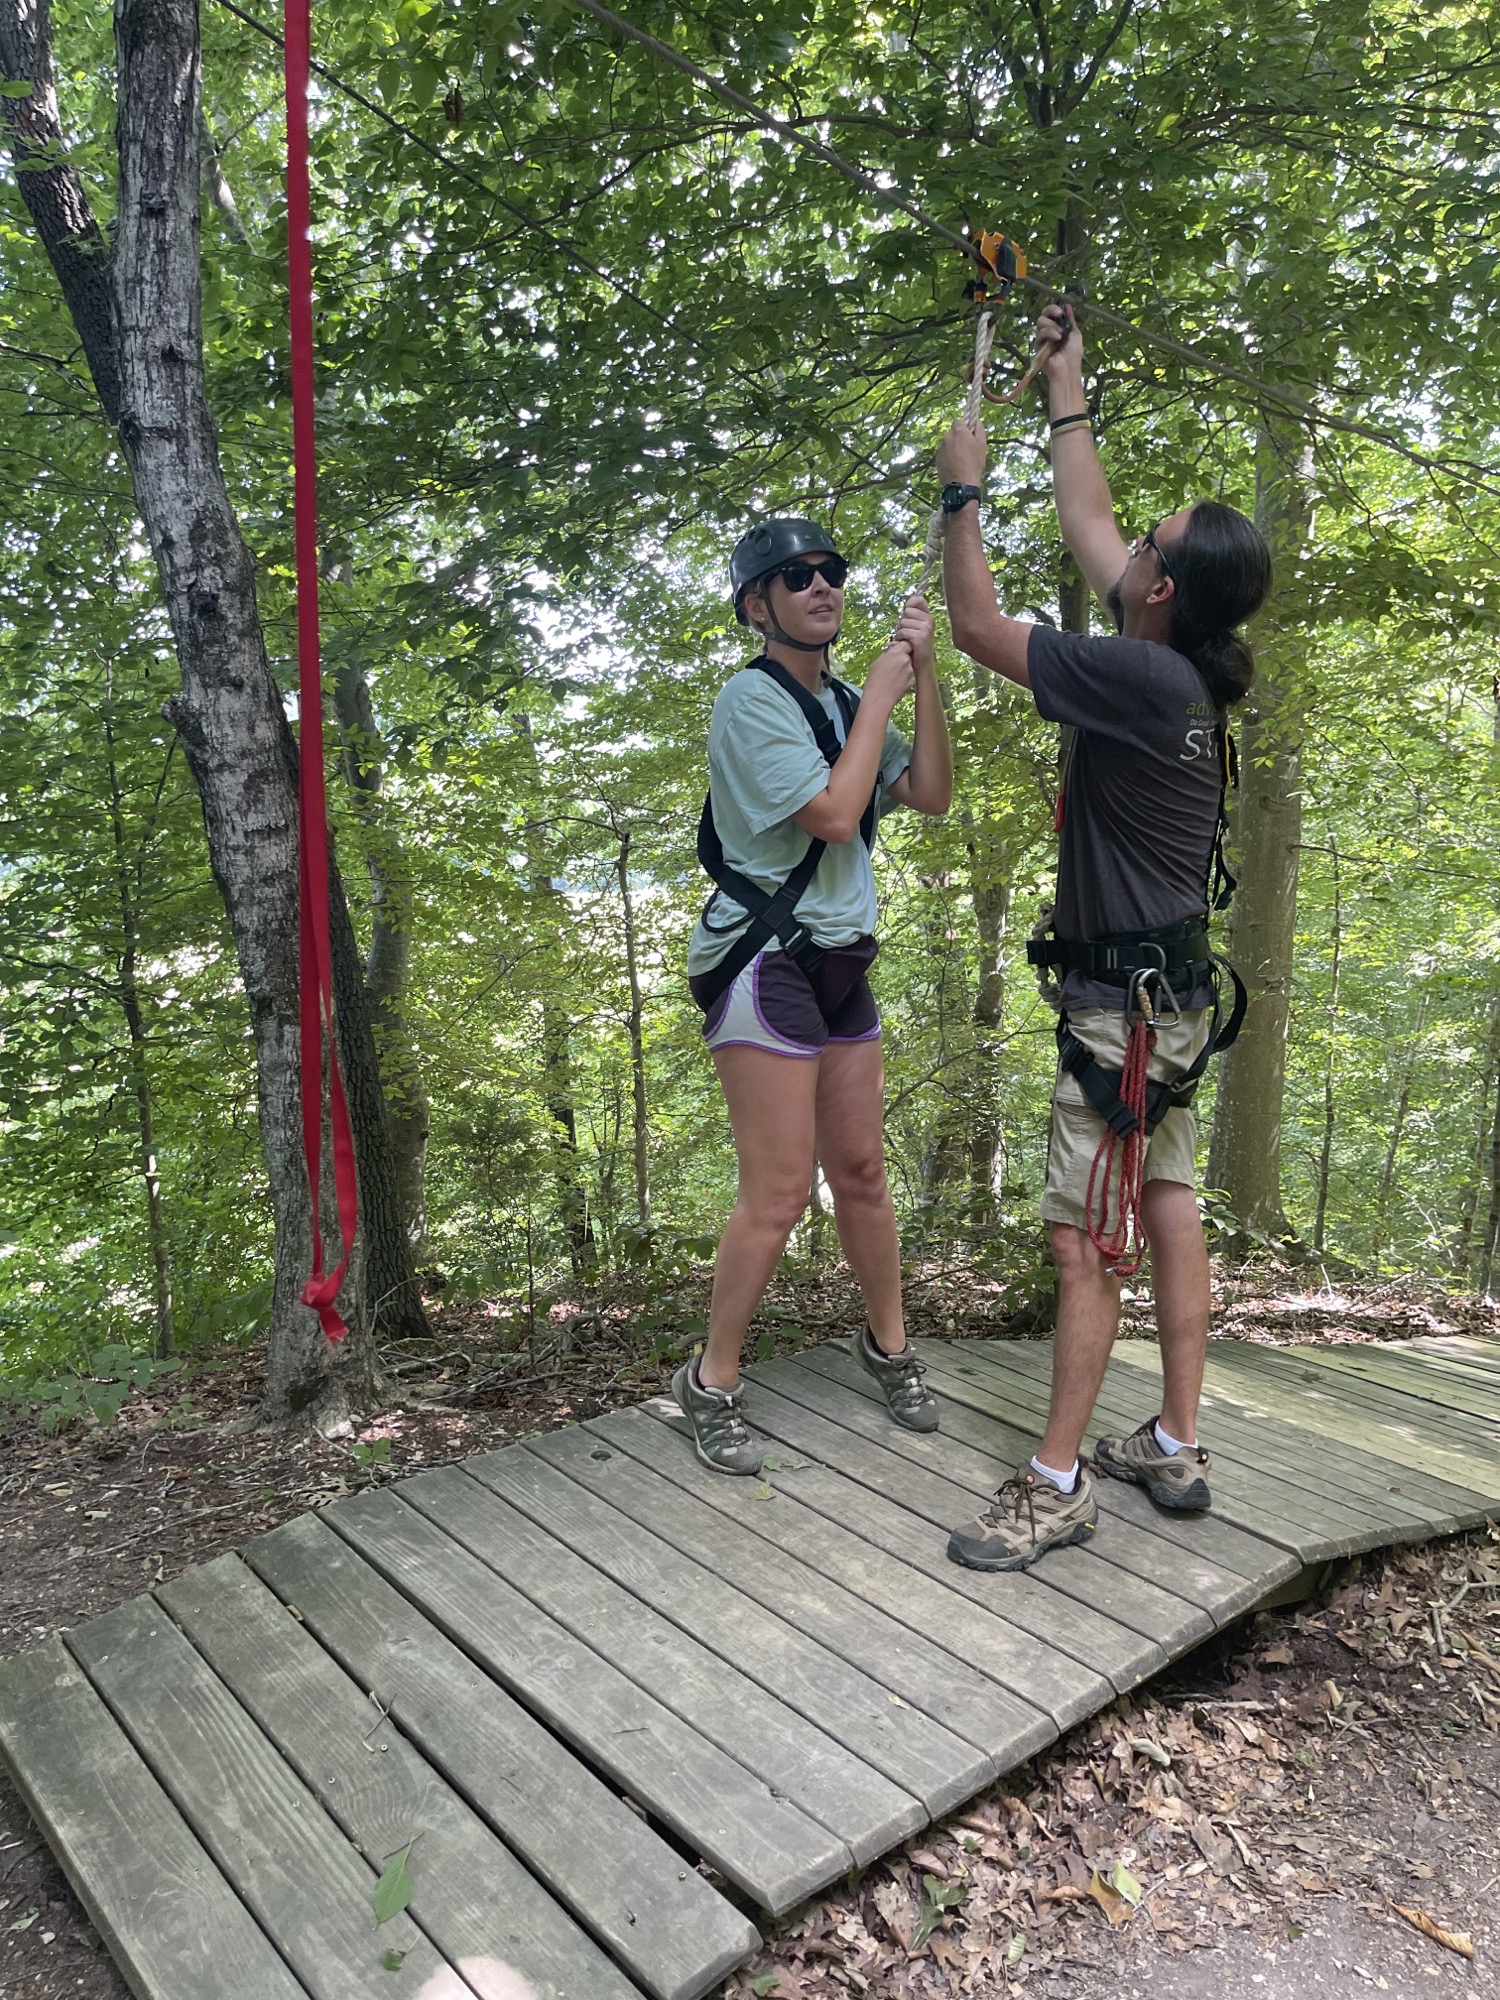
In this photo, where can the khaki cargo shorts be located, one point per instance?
(1077, 1128)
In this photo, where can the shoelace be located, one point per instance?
(728, 1418)
(1021, 1488)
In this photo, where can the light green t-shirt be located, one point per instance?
(763, 766)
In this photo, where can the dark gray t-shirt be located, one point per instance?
(1141, 790)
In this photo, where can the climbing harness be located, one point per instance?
(1154, 966)
(318, 1028)
(773, 915)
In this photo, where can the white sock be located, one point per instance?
(1170, 1445)
(1065, 1482)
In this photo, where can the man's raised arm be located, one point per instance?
(1085, 510)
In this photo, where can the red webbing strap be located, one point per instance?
(315, 955)
(1123, 1245)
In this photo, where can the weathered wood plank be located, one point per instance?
(1467, 1348)
(821, 1645)
(1132, 1531)
(1307, 1365)
(1345, 1438)
(1412, 1396)
(816, 1537)
(776, 1853)
(1456, 1385)
(481, 1908)
(664, 1924)
(923, 1510)
(307, 1886)
(972, 1399)
(173, 1925)
(1094, 1575)
(1311, 1527)
(1430, 1380)
(861, 1805)
(1411, 1431)
(1245, 1447)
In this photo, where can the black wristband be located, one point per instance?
(1066, 423)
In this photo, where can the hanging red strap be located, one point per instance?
(315, 955)
(1123, 1245)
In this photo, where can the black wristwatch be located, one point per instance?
(956, 497)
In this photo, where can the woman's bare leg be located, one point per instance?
(771, 1102)
(851, 1148)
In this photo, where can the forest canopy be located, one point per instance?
(580, 316)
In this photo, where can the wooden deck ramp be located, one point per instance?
(618, 1701)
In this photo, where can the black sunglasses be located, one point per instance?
(798, 576)
(1149, 541)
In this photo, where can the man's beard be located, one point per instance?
(1116, 606)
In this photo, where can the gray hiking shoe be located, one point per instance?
(719, 1432)
(1028, 1516)
(907, 1396)
(1177, 1480)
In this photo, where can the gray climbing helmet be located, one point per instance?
(767, 546)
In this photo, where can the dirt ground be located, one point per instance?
(1307, 1806)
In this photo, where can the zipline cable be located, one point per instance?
(1480, 477)
(317, 1025)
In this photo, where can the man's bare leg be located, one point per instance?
(1088, 1317)
(1179, 1265)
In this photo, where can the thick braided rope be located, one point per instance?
(984, 340)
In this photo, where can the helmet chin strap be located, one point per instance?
(785, 638)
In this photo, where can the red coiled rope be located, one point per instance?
(1124, 1247)
(315, 953)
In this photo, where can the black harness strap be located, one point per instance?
(1101, 1086)
(774, 915)
(1177, 956)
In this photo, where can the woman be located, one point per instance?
(801, 768)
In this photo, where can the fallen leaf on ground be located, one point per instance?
(1458, 1941)
(1109, 1899)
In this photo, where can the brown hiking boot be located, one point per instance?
(1028, 1516)
(1177, 1480)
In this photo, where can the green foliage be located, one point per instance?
(938, 1899)
(530, 475)
(96, 1387)
(393, 1892)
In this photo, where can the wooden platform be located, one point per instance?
(619, 1701)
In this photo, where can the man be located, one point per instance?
(1140, 813)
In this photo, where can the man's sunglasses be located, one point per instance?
(798, 576)
(1149, 541)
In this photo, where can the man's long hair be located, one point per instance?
(1221, 570)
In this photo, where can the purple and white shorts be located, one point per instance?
(775, 1005)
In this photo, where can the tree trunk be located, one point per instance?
(1469, 1202)
(54, 195)
(1398, 1127)
(557, 1088)
(386, 972)
(392, 1292)
(1492, 1220)
(1244, 1158)
(639, 1125)
(138, 313)
(164, 1342)
(1325, 1151)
